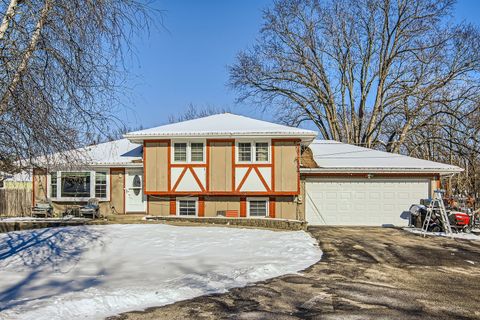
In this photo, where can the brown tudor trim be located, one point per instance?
(201, 207)
(243, 207)
(271, 205)
(173, 206)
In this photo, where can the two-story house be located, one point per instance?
(254, 169)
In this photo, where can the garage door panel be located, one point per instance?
(362, 201)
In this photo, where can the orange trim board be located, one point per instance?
(271, 204)
(240, 185)
(197, 179)
(262, 179)
(220, 193)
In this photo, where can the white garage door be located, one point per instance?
(365, 202)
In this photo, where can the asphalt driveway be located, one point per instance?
(365, 273)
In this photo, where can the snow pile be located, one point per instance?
(461, 235)
(97, 271)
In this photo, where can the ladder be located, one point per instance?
(437, 204)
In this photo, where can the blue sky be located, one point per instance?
(187, 61)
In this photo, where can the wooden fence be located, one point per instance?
(15, 202)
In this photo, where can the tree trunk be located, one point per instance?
(8, 17)
(22, 67)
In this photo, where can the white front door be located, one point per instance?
(135, 200)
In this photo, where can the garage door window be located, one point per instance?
(258, 207)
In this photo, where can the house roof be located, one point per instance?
(117, 153)
(222, 125)
(341, 157)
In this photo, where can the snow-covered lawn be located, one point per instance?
(94, 271)
(461, 235)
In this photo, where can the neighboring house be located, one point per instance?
(207, 166)
(21, 180)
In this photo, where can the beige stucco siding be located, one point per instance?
(285, 166)
(117, 193)
(158, 206)
(285, 208)
(39, 185)
(220, 169)
(215, 204)
(156, 166)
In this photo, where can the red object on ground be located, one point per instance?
(231, 214)
(461, 218)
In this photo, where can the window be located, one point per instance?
(180, 152)
(186, 152)
(53, 185)
(244, 151)
(258, 208)
(75, 184)
(261, 151)
(100, 184)
(187, 207)
(78, 185)
(196, 152)
(247, 150)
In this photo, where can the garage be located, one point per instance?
(349, 185)
(367, 202)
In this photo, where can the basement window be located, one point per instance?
(187, 207)
(257, 207)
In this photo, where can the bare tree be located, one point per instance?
(367, 72)
(194, 112)
(61, 68)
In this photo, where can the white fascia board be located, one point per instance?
(305, 138)
(441, 171)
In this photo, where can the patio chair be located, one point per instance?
(42, 209)
(91, 209)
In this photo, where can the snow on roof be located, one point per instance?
(114, 153)
(225, 124)
(333, 155)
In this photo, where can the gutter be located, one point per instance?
(441, 171)
(305, 137)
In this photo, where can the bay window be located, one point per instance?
(78, 185)
(75, 185)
